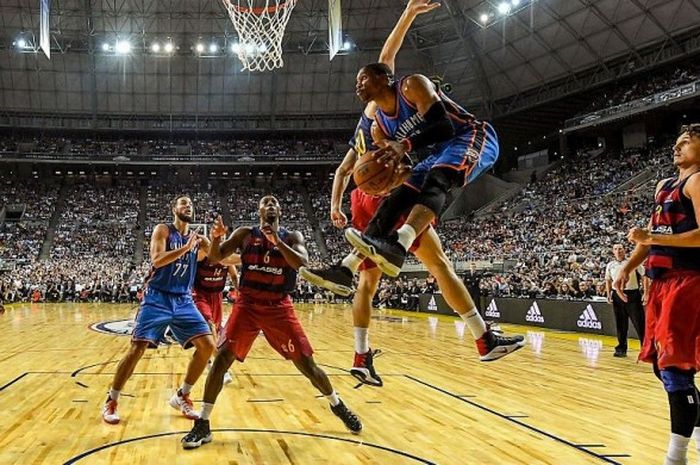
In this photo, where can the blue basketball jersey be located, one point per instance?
(407, 122)
(176, 277)
(362, 140)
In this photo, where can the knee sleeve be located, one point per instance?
(682, 400)
(390, 210)
(436, 186)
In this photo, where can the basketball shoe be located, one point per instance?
(387, 253)
(492, 346)
(335, 278)
(363, 369)
(200, 434)
(109, 411)
(349, 419)
(183, 403)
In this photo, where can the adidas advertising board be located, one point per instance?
(492, 310)
(534, 315)
(566, 315)
(588, 319)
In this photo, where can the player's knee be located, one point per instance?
(138, 348)
(436, 186)
(676, 380)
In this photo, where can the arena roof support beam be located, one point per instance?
(482, 78)
(90, 39)
(613, 27)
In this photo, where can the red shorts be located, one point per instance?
(363, 207)
(672, 337)
(278, 323)
(209, 305)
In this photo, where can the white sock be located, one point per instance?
(206, 410)
(406, 235)
(333, 399)
(696, 436)
(677, 449)
(474, 322)
(361, 340)
(114, 394)
(185, 388)
(352, 261)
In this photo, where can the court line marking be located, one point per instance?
(520, 423)
(415, 458)
(2, 388)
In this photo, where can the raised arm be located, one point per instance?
(220, 250)
(161, 257)
(393, 43)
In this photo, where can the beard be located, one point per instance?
(184, 218)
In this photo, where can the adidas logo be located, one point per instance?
(534, 315)
(492, 310)
(589, 319)
(432, 305)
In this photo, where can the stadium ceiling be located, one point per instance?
(534, 51)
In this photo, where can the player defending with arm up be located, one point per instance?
(270, 256)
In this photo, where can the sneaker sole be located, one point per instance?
(336, 288)
(493, 355)
(364, 378)
(114, 422)
(355, 239)
(196, 444)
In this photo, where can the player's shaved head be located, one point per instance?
(379, 70)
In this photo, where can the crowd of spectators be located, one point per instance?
(652, 83)
(552, 240)
(244, 147)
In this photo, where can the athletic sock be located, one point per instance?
(114, 394)
(184, 389)
(677, 449)
(206, 410)
(406, 235)
(474, 322)
(333, 399)
(361, 339)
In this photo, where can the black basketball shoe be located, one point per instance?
(363, 369)
(200, 434)
(493, 346)
(387, 253)
(351, 421)
(335, 278)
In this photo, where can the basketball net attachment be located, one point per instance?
(260, 25)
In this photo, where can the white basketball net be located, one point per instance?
(260, 25)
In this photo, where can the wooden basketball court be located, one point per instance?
(561, 400)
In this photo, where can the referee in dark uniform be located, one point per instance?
(632, 308)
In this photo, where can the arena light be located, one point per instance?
(105, 47)
(199, 47)
(249, 48)
(122, 47)
(484, 18)
(21, 43)
(235, 47)
(347, 45)
(169, 47)
(515, 3)
(155, 47)
(213, 48)
(504, 8)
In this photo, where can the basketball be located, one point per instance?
(371, 177)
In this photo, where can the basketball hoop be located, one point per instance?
(260, 25)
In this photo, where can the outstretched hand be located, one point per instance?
(194, 240)
(418, 7)
(219, 229)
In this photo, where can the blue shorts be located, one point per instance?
(473, 153)
(160, 310)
